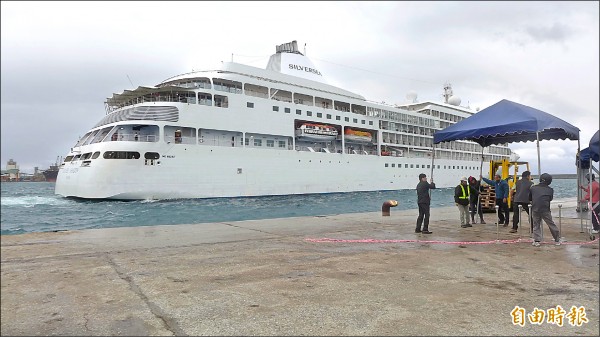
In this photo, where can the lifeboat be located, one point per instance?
(357, 136)
(317, 132)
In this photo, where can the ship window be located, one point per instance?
(405, 165)
(76, 158)
(354, 120)
(86, 156)
(281, 143)
(256, 90)
(362, 121)
(96, 155)
(337, 118)
(319, 115)
(393, 165)
(309, 113)
(411, 165)
(287, 110)
(275, 108)
(270, 143)
(303, 99)
(221, 101)
(249, 104)
(204, 99)
(151, 155)
(281, 95)
(180, 135)
(121, 155)
(346, 119)
(370, 122)
(386, 165)
(298, 112)
(328, 116)
(68, 159)
(438, 167)
(233, 87)
(257, 142)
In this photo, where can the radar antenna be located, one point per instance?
(447, 92)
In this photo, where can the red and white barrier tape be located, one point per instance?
(322, 240)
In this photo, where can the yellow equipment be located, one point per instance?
(502, 167)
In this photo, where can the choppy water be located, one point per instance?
(33, 207)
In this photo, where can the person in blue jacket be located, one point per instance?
(501, 188)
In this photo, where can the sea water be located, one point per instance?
(33, 207)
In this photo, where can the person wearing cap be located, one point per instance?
(595, 201)
(501, 190)
(423, 201)
(462, 194)
(540, 196)
(521, 198)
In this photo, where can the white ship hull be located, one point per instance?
(233, 172)
(233, 133)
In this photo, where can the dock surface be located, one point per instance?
(347, 274)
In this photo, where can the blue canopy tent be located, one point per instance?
(508, 122)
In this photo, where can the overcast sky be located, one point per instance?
(61, 60)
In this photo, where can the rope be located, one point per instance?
(323, 240)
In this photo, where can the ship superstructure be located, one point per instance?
(246, 131)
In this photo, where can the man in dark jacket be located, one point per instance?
(540, 196)
(521, 197)
(461, 199)
(501, 189)
(423, 201)
(474, 202)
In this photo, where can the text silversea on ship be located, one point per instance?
(247, 131)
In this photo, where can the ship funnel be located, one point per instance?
(289, 60)
(290, 47)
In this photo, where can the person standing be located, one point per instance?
(475, 202)
(501, 188)
(424, 202)
(462, 193)
(540, 196)
(521, 197)
(595, 207)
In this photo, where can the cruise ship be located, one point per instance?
(247, 131)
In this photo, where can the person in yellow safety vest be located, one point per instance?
(461, 199)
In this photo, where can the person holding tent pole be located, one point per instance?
(540, 196)
(475, 202)
(423, 201)
(501, 189)
(521, 197)
(595, 204)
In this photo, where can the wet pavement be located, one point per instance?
(346, 274)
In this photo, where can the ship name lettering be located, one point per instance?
(307, 69)
(168, 156)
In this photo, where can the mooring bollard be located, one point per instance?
(385, 208)
(520, 221)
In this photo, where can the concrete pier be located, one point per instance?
(279, 277)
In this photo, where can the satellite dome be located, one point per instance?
(412, 96)
(454, 100)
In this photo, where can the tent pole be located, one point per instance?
(537, 137)
(432, 159)
(480, 175)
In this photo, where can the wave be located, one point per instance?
(31, 201)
